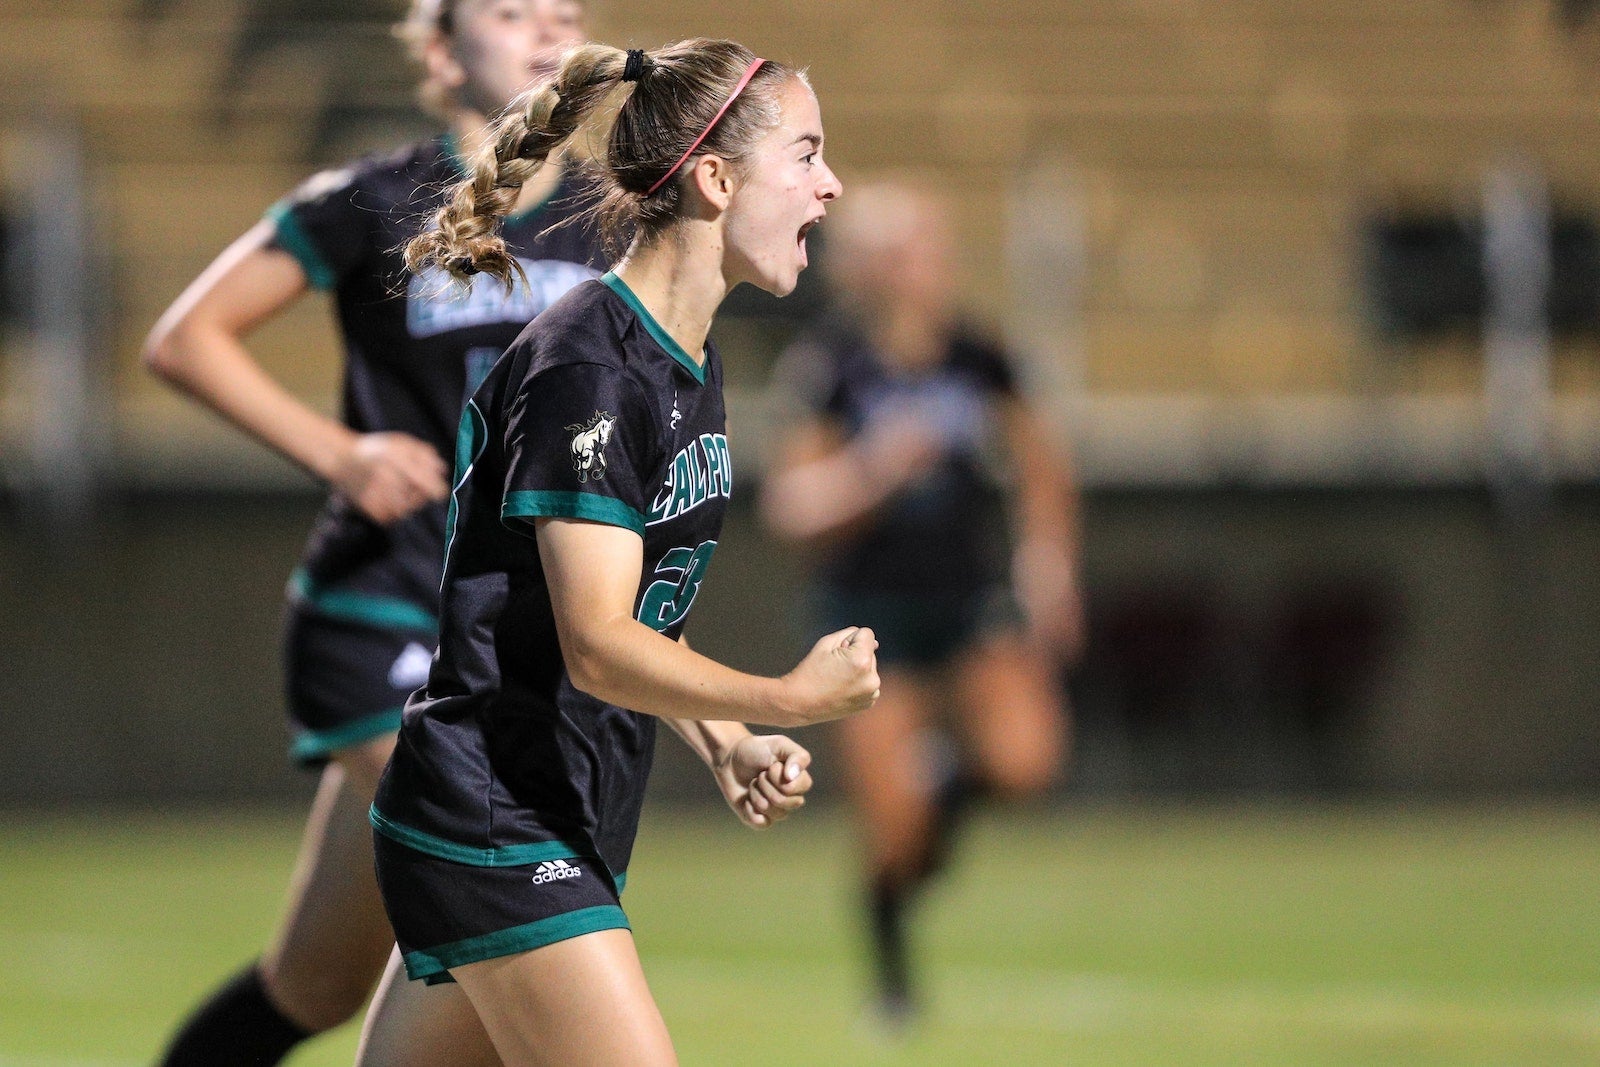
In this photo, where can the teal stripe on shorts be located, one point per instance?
(426, 963)
(386, 613)
(313, 745)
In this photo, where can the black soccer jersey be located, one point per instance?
(595, 413)
(416, 347)
(946, 532)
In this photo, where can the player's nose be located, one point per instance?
(829, 187)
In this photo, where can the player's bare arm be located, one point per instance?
(198, 346)
(826, 487)
(593, 574)
(1045, 568)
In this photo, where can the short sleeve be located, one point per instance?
(580, 443)
(323, 226)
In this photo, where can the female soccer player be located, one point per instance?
(362, 622)
(592, 473)
(912, 451)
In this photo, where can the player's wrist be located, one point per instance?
(333, 461)
(785, 702)
(721, 742)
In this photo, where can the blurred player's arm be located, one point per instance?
(1045, 563)
(198, 346)
(822, 486)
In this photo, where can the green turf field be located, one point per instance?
(1158, 936)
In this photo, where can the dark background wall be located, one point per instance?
(1243, 641)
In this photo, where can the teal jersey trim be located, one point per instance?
(314, 745)
(473, 856)
(297, 244)
(388, 613)
(472, 435)
(652, 327)
(424, 963)
(559, 504)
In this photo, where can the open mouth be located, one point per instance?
(800, 242)
(800, 238)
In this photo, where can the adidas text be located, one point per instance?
(555, 869)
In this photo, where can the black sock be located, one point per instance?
(890, 897)
(237, 1027)
(953, 798)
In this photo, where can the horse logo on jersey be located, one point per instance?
(589, 440)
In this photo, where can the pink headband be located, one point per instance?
(749, 72)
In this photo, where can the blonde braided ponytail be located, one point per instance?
(465, 238)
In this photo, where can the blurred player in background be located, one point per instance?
(593, 476)
(363, 616)
(913, 453)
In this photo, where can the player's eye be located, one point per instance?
(809, 158)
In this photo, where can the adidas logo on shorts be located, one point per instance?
(555, 870)
(410, 670)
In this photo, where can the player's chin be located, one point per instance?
(780, 283)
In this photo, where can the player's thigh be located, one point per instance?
(334, 938)
(889, 773)
(334, 882)
(363, 765)
(1012, 712)
(882, 748)
(413, 1024)
(579, 1002)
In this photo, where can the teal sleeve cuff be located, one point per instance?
(294, 240)
(553, 504)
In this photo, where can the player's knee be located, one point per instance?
(1028, 774)
(899, 856)
(328, 1016)
(1014, 786)
(318, 1001)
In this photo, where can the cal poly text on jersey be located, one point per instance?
(701, 470)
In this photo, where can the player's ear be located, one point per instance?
(713, 179)
(440, 64)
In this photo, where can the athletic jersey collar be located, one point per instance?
(452, 150)
(652, 327)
